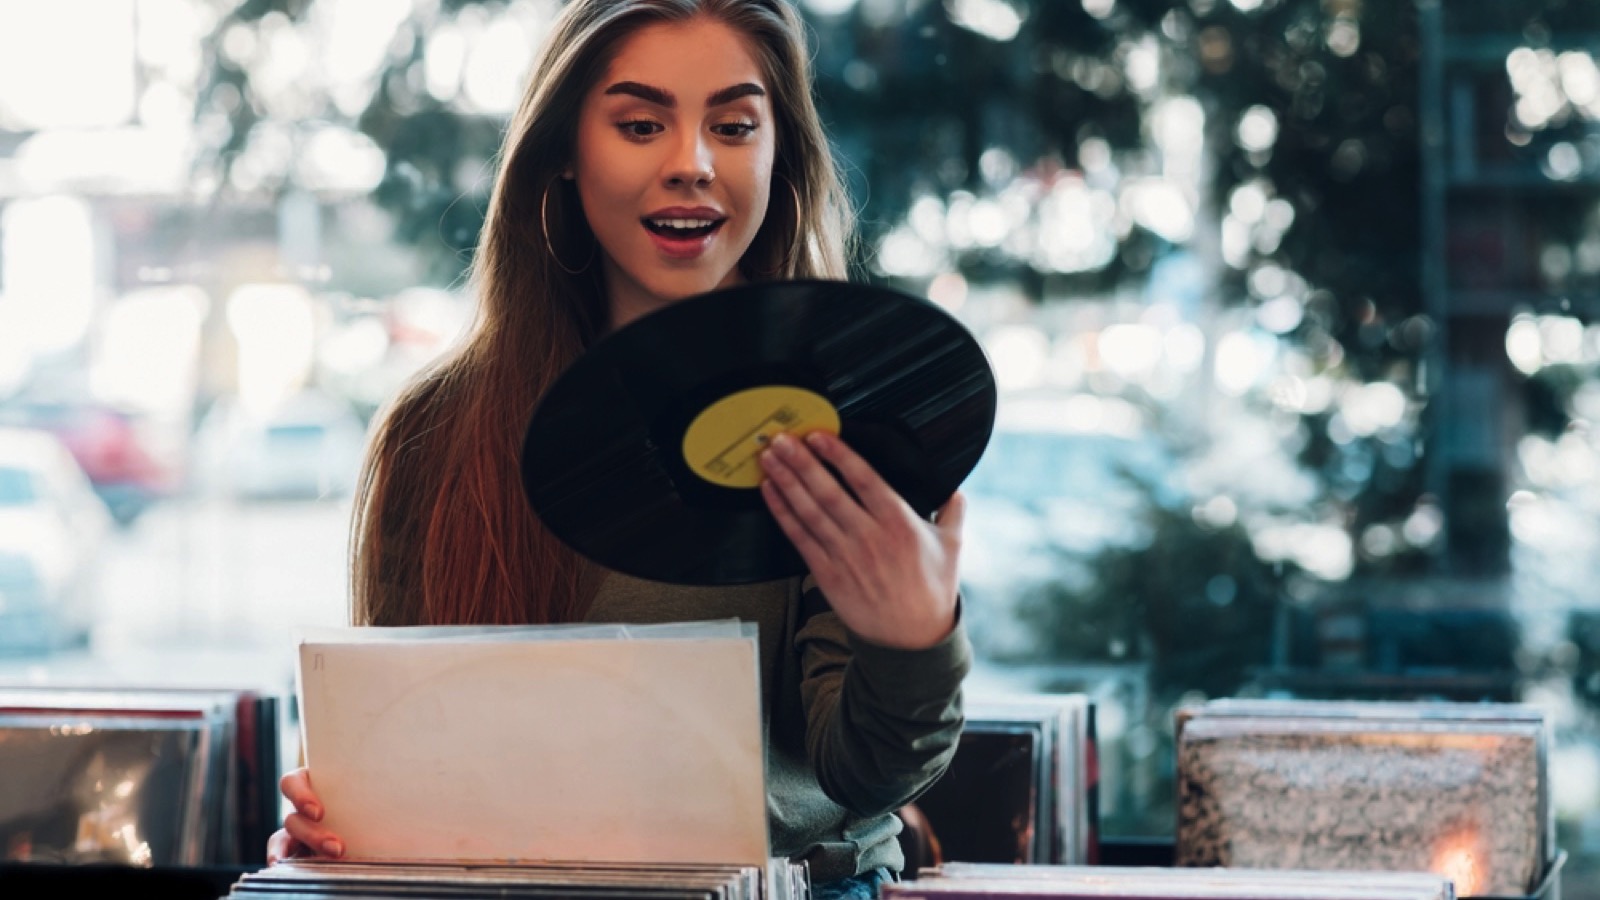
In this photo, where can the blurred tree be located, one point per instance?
(437, 155)
(911, 97)
(1329, 89)
(1196, 602)
(914, 101)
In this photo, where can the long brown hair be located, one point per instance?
(441, 532)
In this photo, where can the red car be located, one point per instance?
(108, 446)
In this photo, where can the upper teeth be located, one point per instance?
(684, 223)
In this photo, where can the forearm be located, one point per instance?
(883, 723)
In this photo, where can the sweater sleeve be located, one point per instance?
(881, 723)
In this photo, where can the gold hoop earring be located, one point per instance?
(799, 222)
(544, 224)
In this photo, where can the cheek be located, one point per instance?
(756, 185)
(606, 173)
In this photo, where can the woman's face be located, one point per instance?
(674, 161)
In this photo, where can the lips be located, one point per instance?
(682, 228)
(683, 233)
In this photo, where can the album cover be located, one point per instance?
(237, 801)
(590, 750)
(1460, 798)
(1019, 788)
(1403, 711)
(1070, 807)
(107, 788)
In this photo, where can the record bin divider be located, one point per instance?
(28, 880)
(210, 883)
(1135, 852)
(1549, 886)
(321, 879)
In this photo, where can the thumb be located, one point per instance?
(948, 518)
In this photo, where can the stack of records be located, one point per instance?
(958, 881)
(1457, 789)
(315, 879)
(157, 777)
(1020, 787)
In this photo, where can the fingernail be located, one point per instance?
(332, 847)
(817, 438)
(783, 444)
(314, 812)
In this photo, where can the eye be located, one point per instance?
(638, 129)
(734, 129)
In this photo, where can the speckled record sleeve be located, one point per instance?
(1406, 711)
(1460, 798)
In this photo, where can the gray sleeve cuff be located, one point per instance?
(916, 677)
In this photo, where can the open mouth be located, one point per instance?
(683, 229)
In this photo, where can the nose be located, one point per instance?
(691, 162)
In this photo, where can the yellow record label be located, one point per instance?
(722, 443)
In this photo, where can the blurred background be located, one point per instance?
(1292, 304)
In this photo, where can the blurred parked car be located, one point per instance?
(52, 528)
(308, 447)
(125, 472)
(1058, 482)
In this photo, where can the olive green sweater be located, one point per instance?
(853, 730)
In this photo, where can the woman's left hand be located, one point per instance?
(890, 575)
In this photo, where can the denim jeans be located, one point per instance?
(857, 887)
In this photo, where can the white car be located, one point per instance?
(307, 448)
(52, 527)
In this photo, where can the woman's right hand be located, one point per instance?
(301, 834)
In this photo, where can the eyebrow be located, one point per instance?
(664, 98)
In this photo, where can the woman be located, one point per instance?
(665, 148)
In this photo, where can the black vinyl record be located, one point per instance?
(641, 456)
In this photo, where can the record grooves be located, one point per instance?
(641, 455)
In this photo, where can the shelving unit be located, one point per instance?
(1486, 207)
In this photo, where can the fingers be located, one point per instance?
(813, 494)
(296, 788)
(810, 549)
(282, 845)
(300, 833)
(875, 494)
(949, 517)
(314, 837)
(888, 573)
